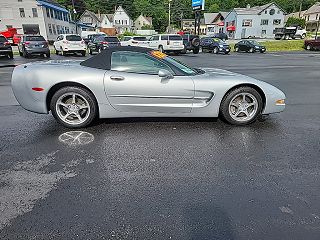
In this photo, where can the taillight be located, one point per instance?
(66, 42)
(6, 43)
(26, 43)
(105, 42)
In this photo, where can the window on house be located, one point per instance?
(317, 16)
(276, 21)
(22, 13)
(34, 12)
(264, 22)
(54, 29)
(51, 13)
(264, 32)
(266, 11)
(247, 23)
(19, 0)
(50, 28)
(48, 12)
(125, 22)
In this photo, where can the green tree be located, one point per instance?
(292, 21)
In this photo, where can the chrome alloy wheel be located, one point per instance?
(243, 107)
(73, 108)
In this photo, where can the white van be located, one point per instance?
(167, 43)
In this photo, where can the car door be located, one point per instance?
(154, 42)
(133, 85)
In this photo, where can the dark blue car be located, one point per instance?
(214, 45)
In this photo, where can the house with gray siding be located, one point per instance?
(254, 22)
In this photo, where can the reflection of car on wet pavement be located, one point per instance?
(140, 82)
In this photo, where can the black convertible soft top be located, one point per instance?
(103, 59)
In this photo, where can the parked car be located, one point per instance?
(312, 44)
(103, 42)
(70, 43)
(214, 45)
(167, 43)
(5, 47)
(33, 45)
(250, 46)
(191, 43)
(91, 37)
(136, 41)
(222, 36)
(290, 32)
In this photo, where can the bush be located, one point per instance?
(147, 27)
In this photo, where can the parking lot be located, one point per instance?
(168, 178)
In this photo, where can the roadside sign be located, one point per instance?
(198, 4)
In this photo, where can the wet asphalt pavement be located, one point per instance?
(168, 178)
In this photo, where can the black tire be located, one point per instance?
(83, 53)
(161, 48)
(20, 53)
(196, 50)
(236, 49)
(184, 51)
(63, 53)
(56, 51)
(48, 55)
(224, 107)
(251, 50)
(90, 51)
(262, 51)
(215, 50)
(86, 94)
(25, 54)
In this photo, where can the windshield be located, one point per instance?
(35, 38)
(2, 39)
(183, 67)
(218, 40)
(140, 38)
(73, 38)
(111, 39)
(254, 42)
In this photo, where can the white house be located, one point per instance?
(142, 21)
(122, 21)
(253, 22)
(44, 17)
(215, 22)
(312, 17)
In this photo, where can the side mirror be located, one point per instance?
(165, 74)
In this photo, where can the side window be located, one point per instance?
(164, 37)
(155, 38)
(136, 63)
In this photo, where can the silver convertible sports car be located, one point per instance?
(125, 82)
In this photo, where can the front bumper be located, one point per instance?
(37, 50)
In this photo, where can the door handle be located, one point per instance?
(117, 78)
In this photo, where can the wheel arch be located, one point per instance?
(255, 87)
(60, 85)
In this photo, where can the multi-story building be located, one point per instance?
(44, 17)
(254, 22)
(122, 21)
(215, 22)
(312, 17)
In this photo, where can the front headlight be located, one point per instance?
(221, 46)
(257, 47)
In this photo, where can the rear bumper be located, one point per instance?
(37, 50)
(5, 51)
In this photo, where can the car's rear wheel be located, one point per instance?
(161, 49)
(196, 50)
(74, 107)
(251, 50)
(90, 51)
(215, 50)
(236, 49)
(83, 53)
(241, 106)
(308, 47)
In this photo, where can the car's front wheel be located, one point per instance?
(241, 106)
(215, 50)
(196, 50)
(74, 107)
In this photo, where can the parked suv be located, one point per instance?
(5, 47)
(167, 43)
(191, 43)
(214, 45)
(33, 44)
(103, 42)
(70, 43)
(136, 41)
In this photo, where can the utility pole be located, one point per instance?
(300, 9)
(169, 15)
(74, 15)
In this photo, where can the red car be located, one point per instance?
(312, 44)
